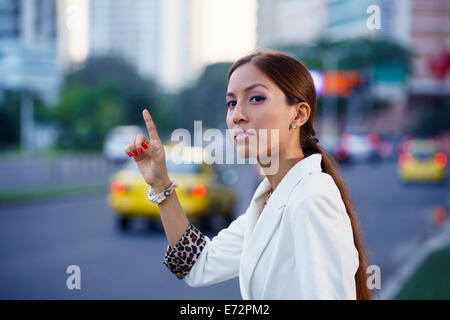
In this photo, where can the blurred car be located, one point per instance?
(329, 142)
(387, 147)
(357, 147)
(422, 160)
(117, 140)
(205, 198)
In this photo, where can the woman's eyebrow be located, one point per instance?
(231, 94)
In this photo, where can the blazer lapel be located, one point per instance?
(264, 228)
(263, 221)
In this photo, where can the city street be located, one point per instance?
(91, 92)
(39, 240)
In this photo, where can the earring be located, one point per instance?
(294, 125)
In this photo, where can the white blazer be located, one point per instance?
(300, 246)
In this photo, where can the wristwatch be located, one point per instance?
(160, 197)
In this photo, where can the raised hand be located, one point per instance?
(149, 155)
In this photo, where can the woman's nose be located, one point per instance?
(238, 114)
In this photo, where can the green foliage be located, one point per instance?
(352, 54)
(205, 100)
(431, 280)
(105, 93)
(132, 92)
(85, 114)
(9, 119)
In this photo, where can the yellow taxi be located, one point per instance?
(202, 194)
(422, 160)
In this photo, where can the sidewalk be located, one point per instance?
(40, 193)
(45, 176)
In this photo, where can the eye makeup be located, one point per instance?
(260, 97)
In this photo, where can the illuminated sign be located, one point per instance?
(341, 83)
(318, 81)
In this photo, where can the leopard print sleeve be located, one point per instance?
(184, 254)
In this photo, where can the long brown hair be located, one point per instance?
(293, 78)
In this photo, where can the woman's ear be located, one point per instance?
(303, 110)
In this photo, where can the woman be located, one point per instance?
(299, 237)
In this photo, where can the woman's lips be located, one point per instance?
(242, 136)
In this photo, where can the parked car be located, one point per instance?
(117, 140)
(357, 147)
(422, 160)
(205, 198)
(329, 142)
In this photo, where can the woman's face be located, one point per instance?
(256, 103)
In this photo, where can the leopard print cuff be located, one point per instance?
(184, 254)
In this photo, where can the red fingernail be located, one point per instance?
(144, 145)
(130, 154)
(135, 152)
(140, 150)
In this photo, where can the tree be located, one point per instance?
(353, 54)
(132, 91)
(367, 55)
(10, 119)
(85, 114)
(105, 93)
(205, 100)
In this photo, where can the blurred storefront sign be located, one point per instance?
(392, 73)
(341, 83)
(439, 64)
(390, 80)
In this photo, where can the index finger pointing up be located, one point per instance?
(151, 128)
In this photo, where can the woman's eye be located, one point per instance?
(258, 98)
(230, 102)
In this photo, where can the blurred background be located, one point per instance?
(75, 76)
